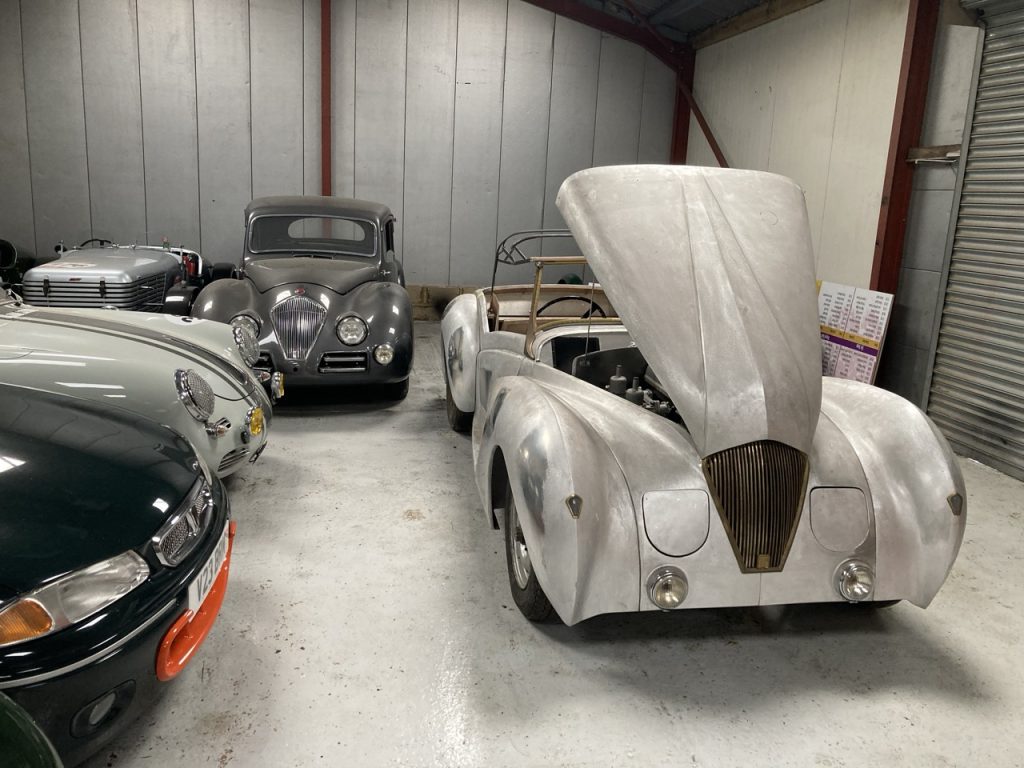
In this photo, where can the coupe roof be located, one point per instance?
(316, 205)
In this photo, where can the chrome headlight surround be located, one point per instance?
(667, 587)
(71, 598)
(854, 580)
(195, 394)
(246, 329)
(351, 330)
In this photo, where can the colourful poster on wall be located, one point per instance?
(853, 324)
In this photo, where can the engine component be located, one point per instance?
(618, 383)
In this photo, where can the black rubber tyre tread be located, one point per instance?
(532, 602)
(459, 421)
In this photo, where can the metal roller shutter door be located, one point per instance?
(977, 386)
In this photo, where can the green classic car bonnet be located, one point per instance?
(712, 272)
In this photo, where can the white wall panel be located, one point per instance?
(113, 119)
(167, 68)
(311, 181)
(343, 96)
(380, 103)
(620, 92)
(525, 114)
(574, 75)
(429, 129)
(479, 78)
(56, 122)
(464, 116)
(657, 112)
(16, 221)
(222, 102)
(811, 96)
(867, 98)
(276, 40)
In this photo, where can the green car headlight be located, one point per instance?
(71, 598)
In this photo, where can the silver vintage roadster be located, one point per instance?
(321, 286)
(664, 439)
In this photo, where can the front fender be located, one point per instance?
(460, 343)
(587, 564)
(912, 473)
(223, 299)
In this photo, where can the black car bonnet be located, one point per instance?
(80, 482)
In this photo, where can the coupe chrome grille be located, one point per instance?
(179, 535)
(759, 491)
(298, 320)
(146, 294)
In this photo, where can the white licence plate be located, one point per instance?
(200, 587)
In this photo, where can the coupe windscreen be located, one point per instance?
(312, 234)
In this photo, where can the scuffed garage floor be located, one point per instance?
(368, 622)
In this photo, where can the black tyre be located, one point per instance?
(460, 421)
(522, 579)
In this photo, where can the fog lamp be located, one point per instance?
(351, 330)
(102, 711)
(855, 581)
(667, 587)
(384, 354)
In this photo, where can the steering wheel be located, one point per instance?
(99, 240)
(594, 306)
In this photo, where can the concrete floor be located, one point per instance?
(368, 623)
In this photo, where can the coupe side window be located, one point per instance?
(389, 237)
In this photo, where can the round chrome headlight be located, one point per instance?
(195, 394)
(245, 329)
(667, 587)
(855, 581)
(351, 330)
(384, 354)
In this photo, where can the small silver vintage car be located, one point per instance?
(322, 287)
(191, 375)
(100, 274)
(664, 439)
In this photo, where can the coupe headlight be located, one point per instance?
(351, 330)
(855, 581)
(71, 599)
(246, 332)
(195, 394)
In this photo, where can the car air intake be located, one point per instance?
(759, 491)
(343, 362)
(298, 320)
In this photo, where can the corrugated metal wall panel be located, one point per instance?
(977, 388)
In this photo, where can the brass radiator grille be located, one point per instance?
(759, 491)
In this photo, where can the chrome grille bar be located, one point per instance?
(759, 492)
(138, 295)
(298, 320)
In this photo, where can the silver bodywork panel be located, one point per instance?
(129, 359)
(880, 476)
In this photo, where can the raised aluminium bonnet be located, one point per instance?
(712, 272)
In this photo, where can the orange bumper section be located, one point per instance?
(186, 634)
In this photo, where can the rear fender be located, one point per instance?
(460, 343)
(587, 564)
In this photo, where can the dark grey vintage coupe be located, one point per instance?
(321, 286)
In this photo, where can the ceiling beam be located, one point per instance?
(673, 10)
(770, 10)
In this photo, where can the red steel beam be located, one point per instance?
(325, 97)
(681, 119)
(908, 116)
